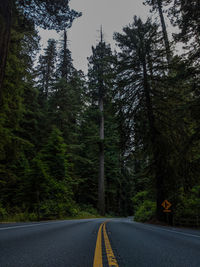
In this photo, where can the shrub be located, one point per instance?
(139, 198)
(89, 209)
(53, 209)
(188, 204)
(3, 213)
(146, 211)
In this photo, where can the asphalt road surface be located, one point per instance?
(97, 243)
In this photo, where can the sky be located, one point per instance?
(113, 15)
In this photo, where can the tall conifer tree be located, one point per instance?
(100, 64)
(46, 69)
(158, 6)
(138, 43)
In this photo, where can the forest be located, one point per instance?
(116, 141)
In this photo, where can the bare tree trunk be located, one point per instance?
(38, 205)
(164, 30)
(101, 186)
(65, 63)
(101, 190)
(5, 27)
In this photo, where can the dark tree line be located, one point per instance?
(120, 140)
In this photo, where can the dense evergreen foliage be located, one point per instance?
(120, 140)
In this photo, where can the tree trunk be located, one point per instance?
(164, 30)
(65, 63)
(38, 205)
(101, 186)
(156, 146)
(101, 190)
(5, 28)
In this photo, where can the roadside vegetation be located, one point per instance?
(87, 212)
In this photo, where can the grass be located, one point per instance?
(24, 217)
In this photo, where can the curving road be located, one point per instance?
(97, 243)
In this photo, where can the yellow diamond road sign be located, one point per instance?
(166, 204)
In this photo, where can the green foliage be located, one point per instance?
(46, 69)
(53, 209)
(144, 206)
(89, 209)
(3, 213)
(13, 144)
(57, 197)
(52, 15)
(36, 187)
(139, 198)
(146, 211)
(21, 217)
(54, 156)
(188, 205)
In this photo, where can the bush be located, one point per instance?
(85, 215)
(87, 208)
(188, 204)
(139, 199)
(3, 213)
(52, 209)
(146, 211)
(19, 217)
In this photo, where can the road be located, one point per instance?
(97, 243)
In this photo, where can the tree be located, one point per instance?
(140, 57)
(47, 188)
(15, 143)
(5, 27)
(65, 106)
(158, 5)
(88, 156)
(100, 69)
(48, 14)
(65, 65)
(185, 14)
(46, 69)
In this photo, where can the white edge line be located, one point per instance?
(177, 232)
(27, 225)
(35, 224)
(172, 231)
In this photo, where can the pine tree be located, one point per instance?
(46, 69)
(185, 15)
(65, 65)
(140, 43)
(5, 28)
(158, 6)
(100, 69)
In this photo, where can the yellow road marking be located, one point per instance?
(98, 261)
(110, 255)
(98, 250)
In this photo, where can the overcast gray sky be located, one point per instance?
(113, 15)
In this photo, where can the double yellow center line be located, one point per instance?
(98, 261)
